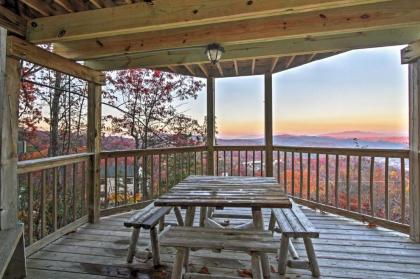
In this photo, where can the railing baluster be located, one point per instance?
(371, 195)
(167, 173)
(293, 173)
(30, 209)
(359, 184)
(175, 171)
(278, 166)
(239, 163)
(189, 162)
(152, 176)
(285, 171)
(44, 204)
(308, 190)
(195, 163)
(348, 181)
(253, 162)
(160, 174)
(125, 180)
(317, 177)
(300, 175)
(246, 162)
(327, 179)
(54, 200)
(74, 195)
(262, 164)
(386, 188)
(336, 177)
(116, 181)
(202, 162)
(65, 195)
(402, 190)
(224, 162)
(231, 163)
(106, 183)
(217, 162)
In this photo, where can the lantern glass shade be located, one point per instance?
(214, 53)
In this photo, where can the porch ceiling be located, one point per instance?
(259, 36)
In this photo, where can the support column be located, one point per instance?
(94, 146)
(410, 55)
(210, 125)
(268, 123)
(12, 253)
(414, 128)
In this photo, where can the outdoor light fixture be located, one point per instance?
(214, 52)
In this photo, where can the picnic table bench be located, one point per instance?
(148, 218)
(252, 242)
(292, 222)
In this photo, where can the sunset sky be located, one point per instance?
(364, 90)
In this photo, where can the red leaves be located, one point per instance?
(246, 273)
(204, 270)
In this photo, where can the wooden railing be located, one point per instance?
(52, 197)
(239, 160)
(131, 176)
(366, 184)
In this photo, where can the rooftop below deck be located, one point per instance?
(345, 249)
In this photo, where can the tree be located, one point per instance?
(148, 105)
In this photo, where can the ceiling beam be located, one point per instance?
(275, 61)
(289, 62)
(96, 3)
(332, 22)
(356, 40)
(253, 66)
(66, 5)
(161, 15)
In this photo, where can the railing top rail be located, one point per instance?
(151, 151)
(239, 147)
(371, 152)
(51, 162)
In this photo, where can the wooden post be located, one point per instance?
(268, 123)
(12, 254)
(210, 125)
(410, 55)
(414, 120)
(94, 146)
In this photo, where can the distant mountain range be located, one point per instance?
(346, 139)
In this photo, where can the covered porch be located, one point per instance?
(370, 226)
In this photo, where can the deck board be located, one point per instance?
(345, 249)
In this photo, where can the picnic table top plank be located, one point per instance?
(226, 191)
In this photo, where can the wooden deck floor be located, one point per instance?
(346, 249)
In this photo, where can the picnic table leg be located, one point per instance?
(189, 221)
(133, 244)
(203, 215)
(177, 267)
(259, 225)
(178, 216)
(155, 246)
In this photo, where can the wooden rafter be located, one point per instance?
(235, 65)
(253, 66)
(337, 22)
(171, 68)
(189, 69)
(96, 3)
(38, 6)
(273, 66)
(219, 68)
(411, 53)
(289, 62)
(203, 69)
(65, 4)
(12, 21)
(311, 57)
(143, 17)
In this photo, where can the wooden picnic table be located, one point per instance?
(227, 191)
